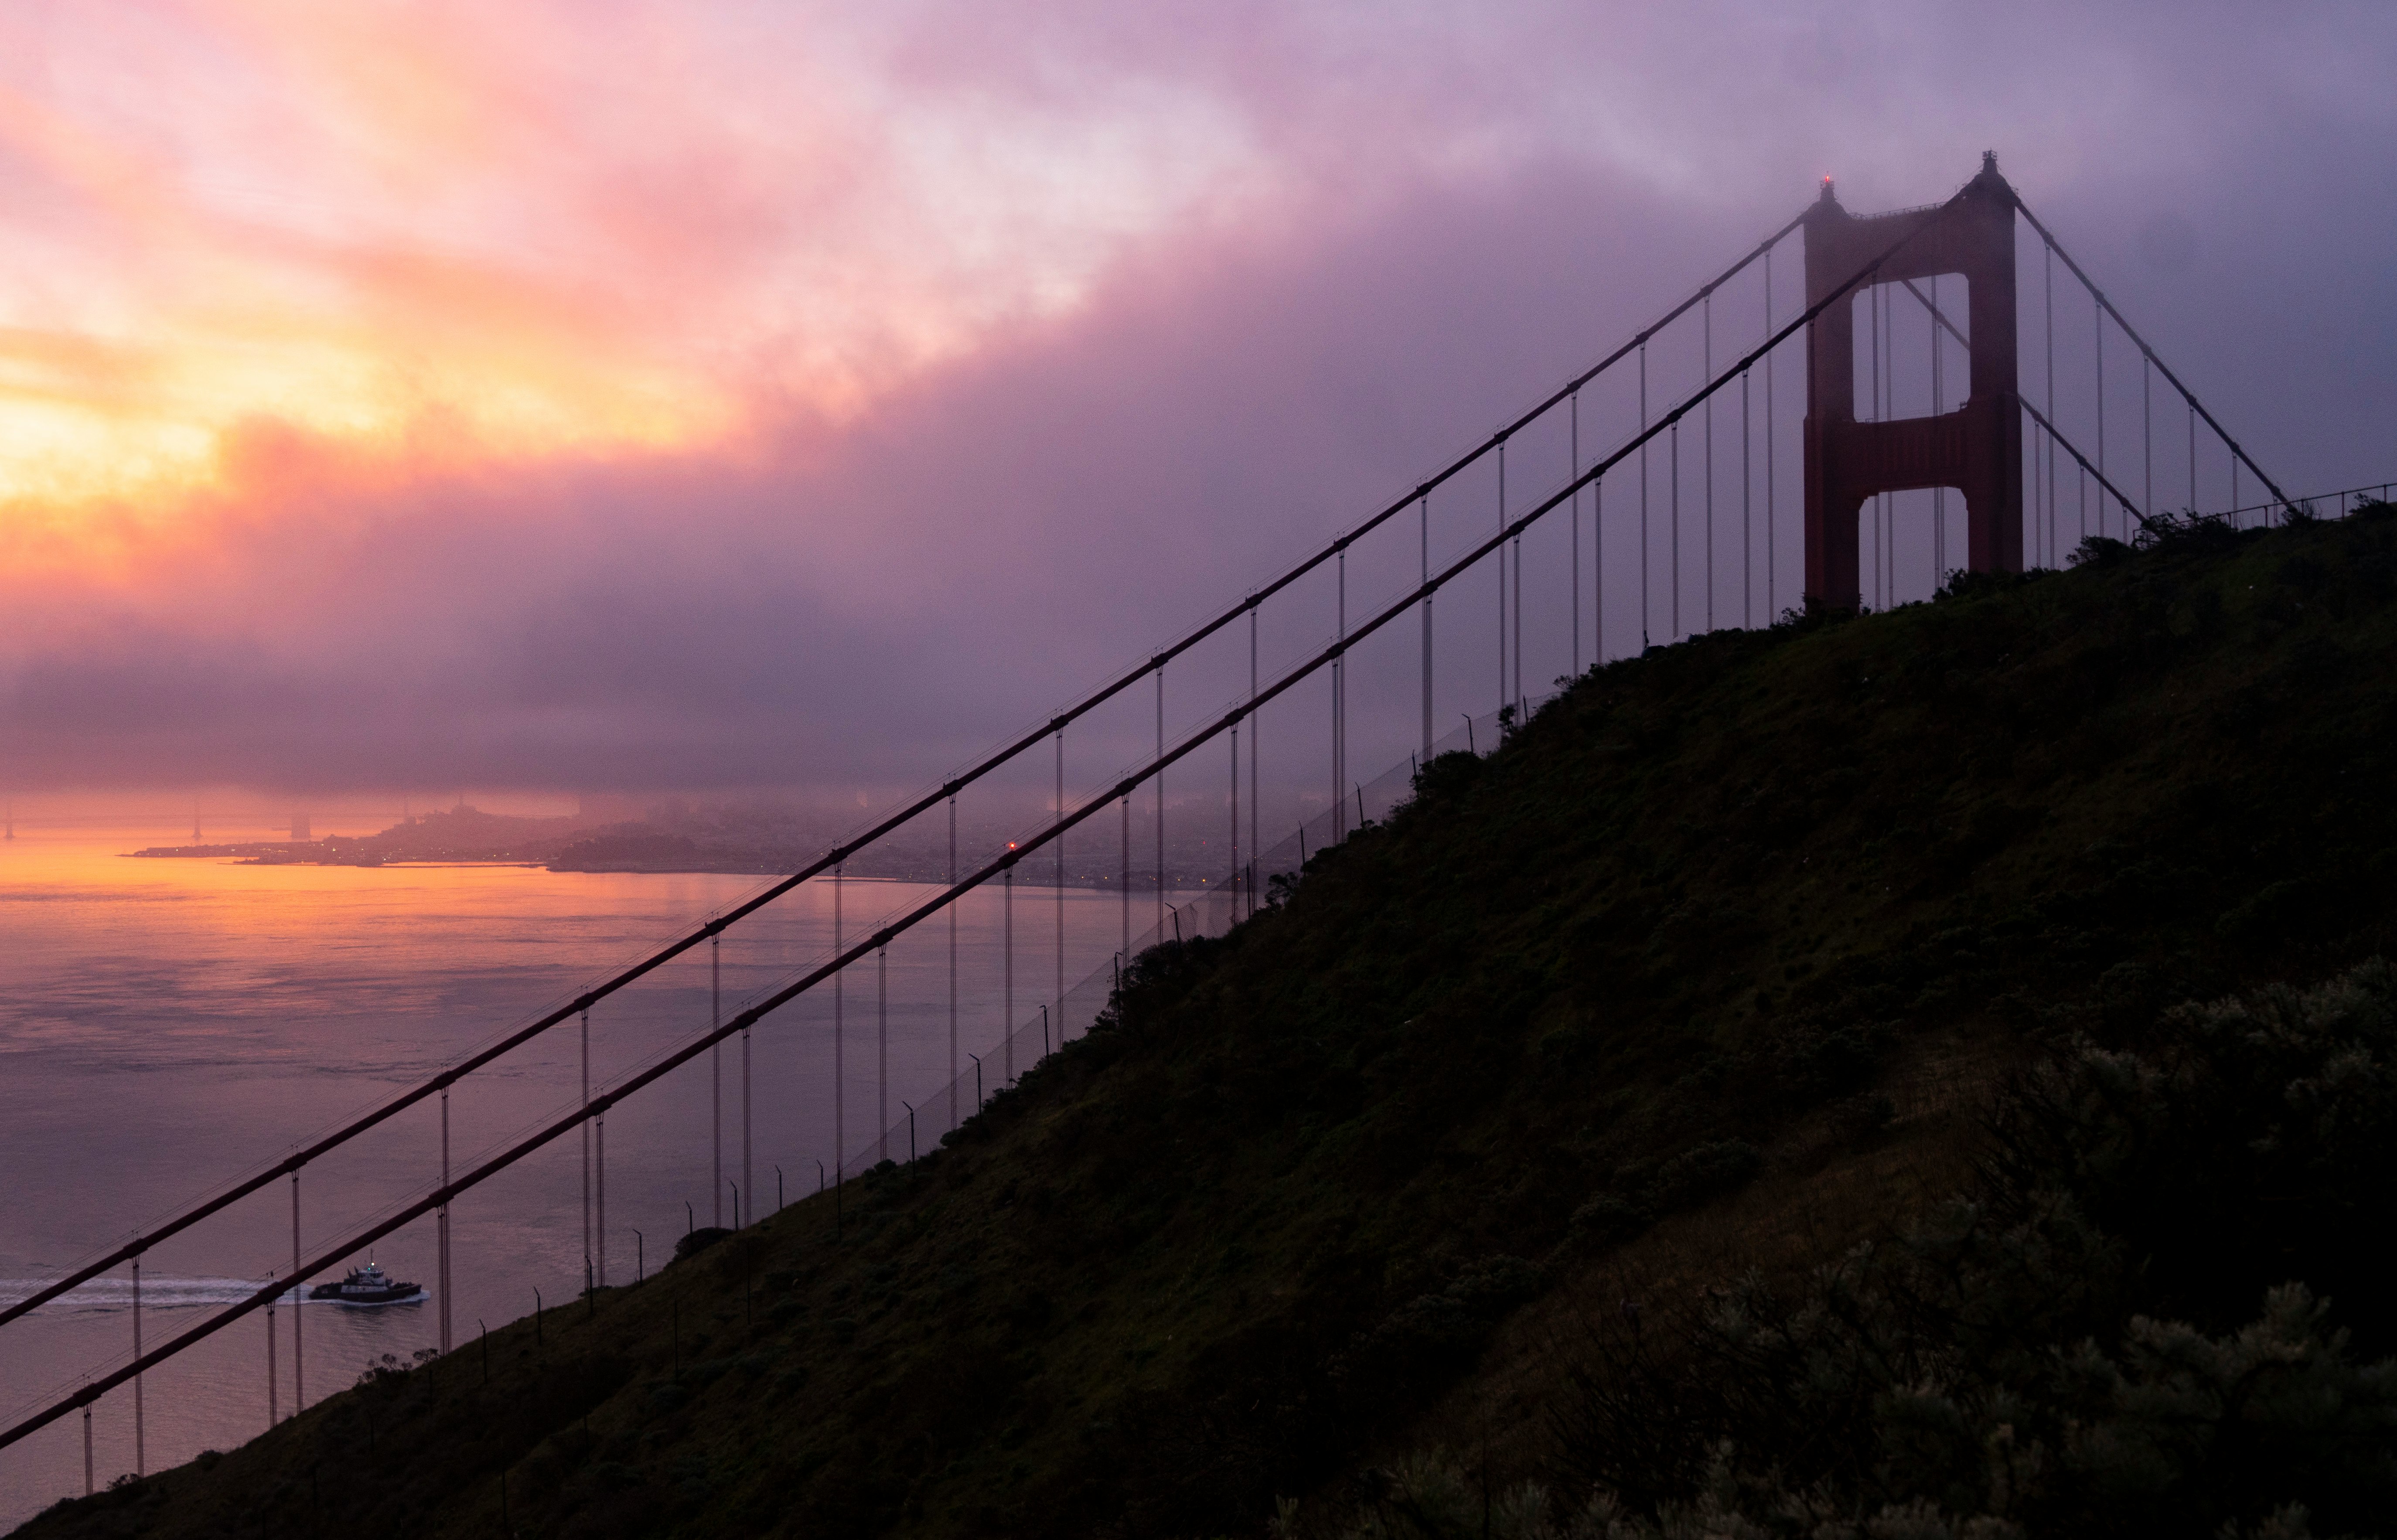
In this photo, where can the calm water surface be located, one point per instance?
(166, 1026)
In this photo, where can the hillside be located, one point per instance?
(1414, 1189)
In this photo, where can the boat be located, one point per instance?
(368, 1285)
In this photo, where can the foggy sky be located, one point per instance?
(555, 396)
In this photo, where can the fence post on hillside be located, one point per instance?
(911, 1129)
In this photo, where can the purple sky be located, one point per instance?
(606, 400)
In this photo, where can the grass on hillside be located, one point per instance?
(1684, 938)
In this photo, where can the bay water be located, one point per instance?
(168, 1027)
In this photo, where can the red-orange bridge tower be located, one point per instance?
(1975, 449)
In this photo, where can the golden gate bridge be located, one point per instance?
(1882, 451)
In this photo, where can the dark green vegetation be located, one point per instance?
(1715, 970)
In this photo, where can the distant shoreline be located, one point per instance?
(255, 855)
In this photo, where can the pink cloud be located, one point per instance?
(773, 396)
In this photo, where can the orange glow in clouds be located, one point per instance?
(530, 229)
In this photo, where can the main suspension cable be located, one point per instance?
(1003, 864)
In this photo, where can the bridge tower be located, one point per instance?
(1975, 449)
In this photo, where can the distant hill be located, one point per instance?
(1759, 1095)
(459, 834)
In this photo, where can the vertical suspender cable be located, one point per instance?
(839, 1047)
(1643, 498)
(1673, 524)
(1501, 555)
(1572, 473)
(1518, 695)
(585, 1131)
(1161, 800)
(599, 1143)
(1746, 521)
(1232, 876)
(298, 1381)
(1938, 494)
(747, 1146)
(141, 1464)
(1706, 371)
(1255, 731)
(882, 1054)
(1772, 572)
(715, 1075)
(1123, 884)
(2192, 458)
(1423, 534)
(2148, 428)
(2047, 313)
(1872, 315)
(1889, 411)
(447, 1315)
(271, 1418)
(1007, 989)
(1060, 843)
(2081, 485)
(953, 963)
(1597, 569)
(1339, 714)
(2098, 335)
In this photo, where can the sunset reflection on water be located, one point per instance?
(167, 1025)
